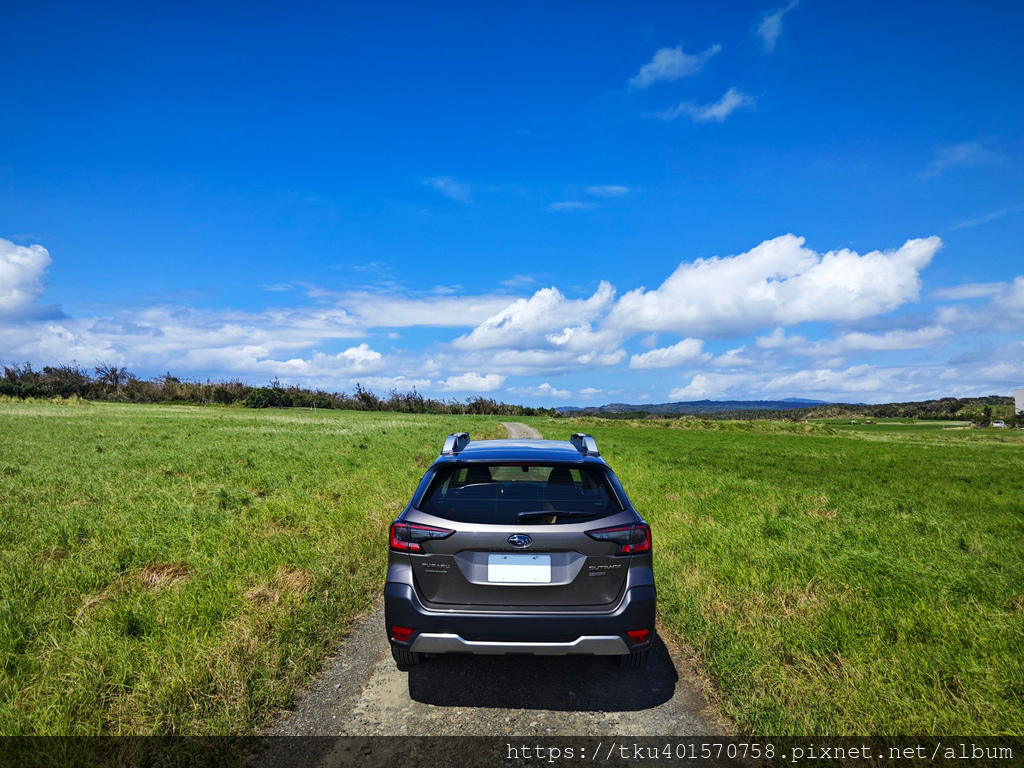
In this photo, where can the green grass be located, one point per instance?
(181, 569)
(174, 568)
(837, 581)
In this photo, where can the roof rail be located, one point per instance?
(455, 442)
(585, 444)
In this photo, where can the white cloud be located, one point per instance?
(473, 382)
(394, 310)
(519, 281)
(970, 291)
(361, 358)
(22, 272)
(546, 319)
(278, 287)
(966, 153)
(771, 26)
(685, 351)
(590, 392)
(989, 217)
(732, 359)
(387, 383)
(779, 282)
(704, 385)
(716, 112)
(672, 64)
(571, 205)
(449, 187)
(608, 190)
(544, 390)
(891, 341)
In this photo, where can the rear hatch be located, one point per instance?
(518, 535)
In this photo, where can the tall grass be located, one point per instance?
(839, 582)
(181, 569)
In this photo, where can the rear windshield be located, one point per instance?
(529, 494)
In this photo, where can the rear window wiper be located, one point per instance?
(542, 513)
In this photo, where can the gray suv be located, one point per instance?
(520, 546)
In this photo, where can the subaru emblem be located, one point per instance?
(519, 540)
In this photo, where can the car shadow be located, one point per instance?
(560, 683)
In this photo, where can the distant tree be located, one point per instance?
(986, 417)
(111, 375)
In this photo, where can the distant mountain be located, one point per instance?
(701, 406)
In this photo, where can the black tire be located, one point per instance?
(405, 658)
(634, 660)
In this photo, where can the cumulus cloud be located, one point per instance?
(734, 358)
(770, 27)
(672, 64)
(546, 319)
(22, 272)
(779, 282)
(473, 382)
(686, 351)
(608, 190)
(715, 112)
(966, 153)
(449, 187)
(544, 390)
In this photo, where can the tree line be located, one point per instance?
(107, 381)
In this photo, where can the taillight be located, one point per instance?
(406, 537)
(632, 539)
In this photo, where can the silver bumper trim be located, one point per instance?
(598, 645)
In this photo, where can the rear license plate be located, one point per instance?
(519, 569)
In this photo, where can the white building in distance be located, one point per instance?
(1018, 400)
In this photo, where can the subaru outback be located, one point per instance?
(520, 546)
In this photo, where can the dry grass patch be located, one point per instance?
(160, 575)
(288, 581)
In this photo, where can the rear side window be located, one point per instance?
(509, 494)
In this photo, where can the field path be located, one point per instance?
(362, 693)
(519, 431)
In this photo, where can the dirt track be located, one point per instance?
(519, 431)
(362, 693)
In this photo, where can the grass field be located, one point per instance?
(167, 568)
(838, 580)
(173, 568)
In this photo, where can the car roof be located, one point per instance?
(560, 451)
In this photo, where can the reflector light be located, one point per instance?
(638, 636)
(401, 634)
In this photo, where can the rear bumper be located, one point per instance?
(595, 645)
(461, 631)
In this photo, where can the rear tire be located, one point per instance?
(405, 658)
(634, 660)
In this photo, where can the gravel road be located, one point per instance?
(361, 692)
(519, 431)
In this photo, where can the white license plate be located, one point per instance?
(519, 569)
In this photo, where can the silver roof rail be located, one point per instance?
(585, 444)
(455, 442)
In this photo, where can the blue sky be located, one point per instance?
(550, 205)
